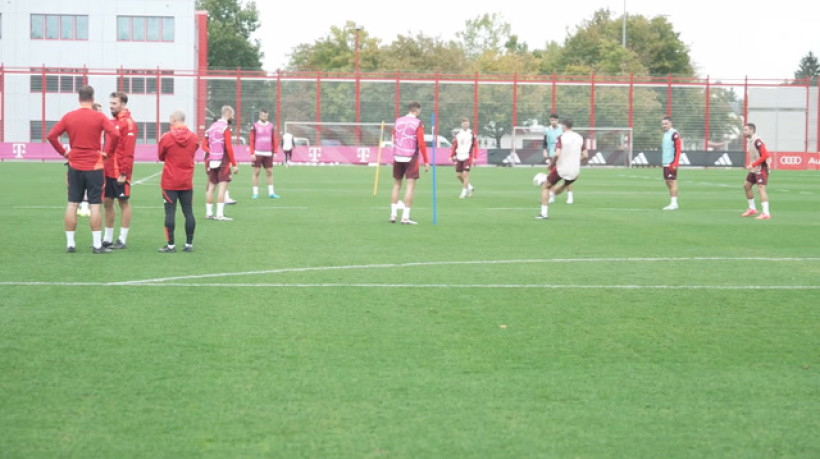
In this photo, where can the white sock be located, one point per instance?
(765, 206)
(270, 189)
(256, 190)
(123, 234)
(545, 211)
(69, 239)
(569, 195)
(674, 201)
(109, 234)
(96, 238)
(393, 209)
(752, 204)
(227, 195)
(209, 209)
(405, 213)
(552, 195)
(220, 208)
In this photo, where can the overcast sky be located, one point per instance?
(727, 39)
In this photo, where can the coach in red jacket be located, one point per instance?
(177, 149)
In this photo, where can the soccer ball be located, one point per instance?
(400, 205)
(539, 179)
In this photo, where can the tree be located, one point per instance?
(230, 25)
(809, 69)
(488, 32)
(653, 47)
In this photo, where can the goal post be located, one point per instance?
(611, 146)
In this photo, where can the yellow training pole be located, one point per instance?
(378, 161)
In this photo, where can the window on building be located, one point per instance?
(36, 133)
(65, 82)
(59, 27)
(145, 82)
(145, 28)
(147, 131)
(56, 80)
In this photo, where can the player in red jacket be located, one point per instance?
(118, 171)
(177, 149)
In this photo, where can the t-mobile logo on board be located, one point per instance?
(363, 153)
(314, 153)
(19, 150)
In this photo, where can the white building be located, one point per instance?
(135, 46)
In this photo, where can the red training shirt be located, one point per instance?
(85, 127)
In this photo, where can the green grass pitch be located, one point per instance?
(311, 327)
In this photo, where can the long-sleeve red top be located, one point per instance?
(85, 127)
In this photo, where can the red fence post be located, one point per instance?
(279, 101)
(554, 101)
(707, 116)
(631, 105)
(475, 104)
(669, 95)
(592, 104)
(397, 101)
(238, 114)
(514, 102)
(746, 116)
(318, 117)
(3, 105)
(43, 104)
(159, 90)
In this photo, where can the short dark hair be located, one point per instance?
(263, 110)
(414, 105)
(86, 94)
(751, 126)
(553, 116)
(667, 118)
(567, 122)
(123, 97)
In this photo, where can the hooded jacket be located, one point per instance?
(177, 149)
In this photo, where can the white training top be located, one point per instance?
(464, 140)
(571, 145)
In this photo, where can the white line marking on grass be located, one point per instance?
(171, 281)
(451, 263)
(143, 180)
(392, 285)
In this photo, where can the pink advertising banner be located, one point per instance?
(303, 154)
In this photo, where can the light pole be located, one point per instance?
(623, 28)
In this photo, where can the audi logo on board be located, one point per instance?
(791, 160)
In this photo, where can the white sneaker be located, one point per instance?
(671, 207)
(551, 201)
(463, 194)
(223, 219)
(470, 191)
(570, 201)
(408, 222)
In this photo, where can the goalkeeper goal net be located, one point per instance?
(606, 146)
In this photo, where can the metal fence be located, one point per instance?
(709, 114)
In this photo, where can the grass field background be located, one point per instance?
(310, 327)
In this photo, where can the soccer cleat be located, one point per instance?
(763, 217)
(749, 213)
(119, 245)
(254, 196)
(274, 196)
(167, 249)
(551, 200)
(570, 201)
(70, 249)
(463, 194)
(230, 202)
(100, 250)
(223, 218)
(107, 244)
(407, 221)
(671, 207)
(188, 248)
(541, 217)
(209, 217)
(392, 219)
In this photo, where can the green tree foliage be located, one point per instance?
(488, 32)
(809, 68)
(653, 47)
(230, 26)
